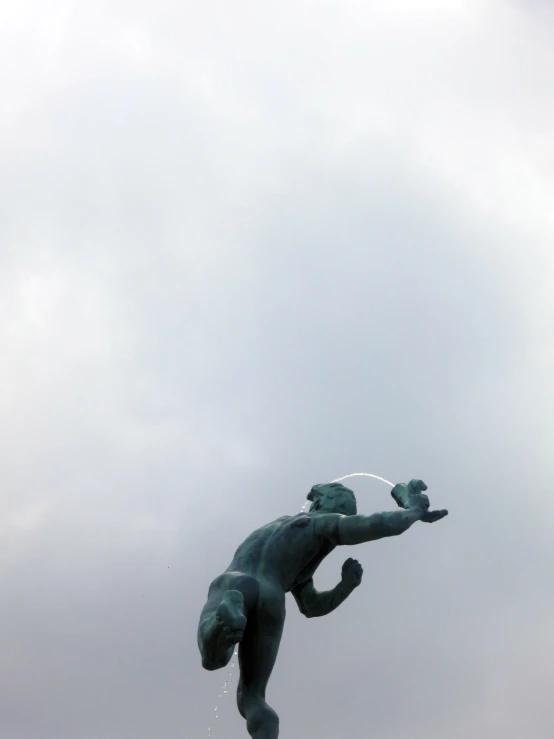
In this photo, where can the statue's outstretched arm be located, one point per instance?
(358, 529)
(312, 603)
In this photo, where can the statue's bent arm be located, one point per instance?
(312, 603)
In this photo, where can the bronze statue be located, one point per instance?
(246, 604)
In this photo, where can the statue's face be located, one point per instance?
(333, 498)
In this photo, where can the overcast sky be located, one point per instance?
(248, 247)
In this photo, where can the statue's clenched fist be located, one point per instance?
(352, 573)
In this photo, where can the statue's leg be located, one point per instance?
(224, 617)
(257, 653)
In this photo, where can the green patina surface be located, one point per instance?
(246, 604)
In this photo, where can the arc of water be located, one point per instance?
(363, 474)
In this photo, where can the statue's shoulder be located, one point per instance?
(327, 525)
(276, 524)
(282, 519)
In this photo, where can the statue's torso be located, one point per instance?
(287, 550)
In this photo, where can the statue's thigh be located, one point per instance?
(260, 643)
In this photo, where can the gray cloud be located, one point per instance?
(244, 252)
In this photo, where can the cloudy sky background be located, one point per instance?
(246, 248)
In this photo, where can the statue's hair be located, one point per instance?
(333, 486)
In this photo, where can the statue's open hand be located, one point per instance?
(352, 572)
(432, 516)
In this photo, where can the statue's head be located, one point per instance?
(332, 497)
